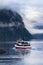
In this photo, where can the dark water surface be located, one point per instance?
(32, 56)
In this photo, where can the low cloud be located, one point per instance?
(30, 10)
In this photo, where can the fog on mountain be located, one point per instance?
(12, 27)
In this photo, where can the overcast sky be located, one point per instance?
(31, 11)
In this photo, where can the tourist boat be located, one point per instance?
(23, 45)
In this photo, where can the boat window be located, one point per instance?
(19, 44)
(26, 44)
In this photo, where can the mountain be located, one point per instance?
(38, 36)
(12, 27)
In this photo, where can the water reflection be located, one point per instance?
(23, 52)
(32, 56)
(14, 55)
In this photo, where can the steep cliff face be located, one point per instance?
(12, 27)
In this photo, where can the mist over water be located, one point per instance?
(31, 56)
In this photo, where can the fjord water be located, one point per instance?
(33, 56)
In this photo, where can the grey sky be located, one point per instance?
(31, 10)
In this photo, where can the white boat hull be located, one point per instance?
(23, 47)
